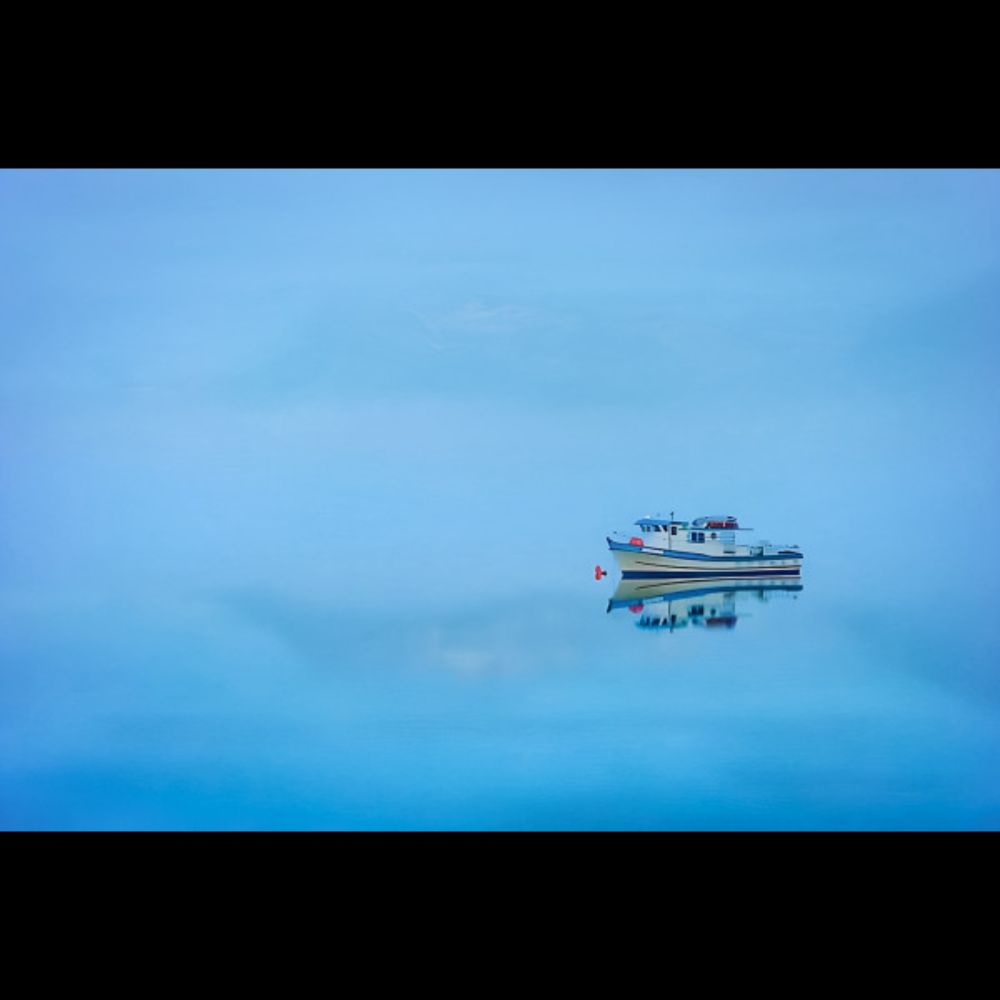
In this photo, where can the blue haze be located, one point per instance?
(304, 474)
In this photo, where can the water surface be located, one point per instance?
(531, 708)
(304, 475)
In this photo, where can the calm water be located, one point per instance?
(304, 475)
(529, 704)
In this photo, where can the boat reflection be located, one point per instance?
(684, 603)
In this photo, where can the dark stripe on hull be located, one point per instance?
(696, 557)
(662, 574)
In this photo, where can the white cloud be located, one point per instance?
(478, 317)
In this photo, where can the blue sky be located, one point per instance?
(334, 378)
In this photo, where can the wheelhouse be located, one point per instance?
(661, 526)
(713, 535)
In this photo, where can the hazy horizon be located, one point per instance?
(438, 389)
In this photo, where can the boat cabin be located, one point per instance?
(710, 535)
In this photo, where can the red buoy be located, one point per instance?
(635, 540)
(598, 572)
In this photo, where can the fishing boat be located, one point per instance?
(702, 549)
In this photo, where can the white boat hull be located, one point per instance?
(636, 563)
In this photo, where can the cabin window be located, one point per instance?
(673, 529)
(656, 527)
(696, 536)
(712, 535)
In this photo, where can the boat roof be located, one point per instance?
(698, 522)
